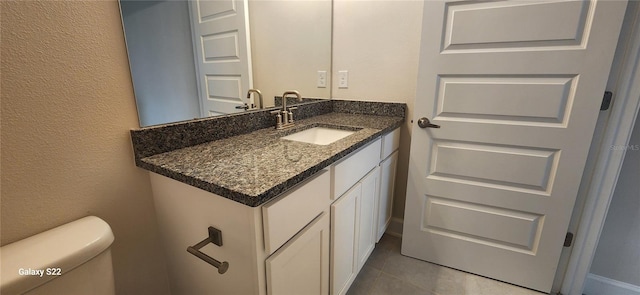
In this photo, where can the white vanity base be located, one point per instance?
(313, 239)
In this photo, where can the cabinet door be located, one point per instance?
(301, 266)
(387, 186)
(344, 222)
(367, 228)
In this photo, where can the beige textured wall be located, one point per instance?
(67, 106)
(378, 42)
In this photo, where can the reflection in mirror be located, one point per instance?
(193, 59)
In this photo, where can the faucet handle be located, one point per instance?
(291, 114)
(279, 118)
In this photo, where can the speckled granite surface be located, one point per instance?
(158, 139)
(369, 108)
(163, 138)
(255, 167)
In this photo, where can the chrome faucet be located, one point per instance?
(256, 91)
(285, 116)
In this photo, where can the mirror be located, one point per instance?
(198, 58)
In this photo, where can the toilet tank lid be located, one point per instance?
(65, 247)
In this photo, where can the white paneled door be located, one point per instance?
(515, 87)
(220, 31)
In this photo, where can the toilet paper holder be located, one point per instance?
(215, 237)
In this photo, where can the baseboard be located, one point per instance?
(395, 227)
(597, 285)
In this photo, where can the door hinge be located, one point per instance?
(606, 100)
(568, 239)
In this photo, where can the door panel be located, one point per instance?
(221, 46)
(210, 10)
(529, 23)
(516, 88)
(493, 166)
(462, 220)
(517, 99)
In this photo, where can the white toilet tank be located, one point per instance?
(70, 259)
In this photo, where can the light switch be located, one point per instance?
(322, 79)
(343, 79)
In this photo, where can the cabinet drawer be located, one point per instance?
(284, 216)
(355, 166)
(390, 143)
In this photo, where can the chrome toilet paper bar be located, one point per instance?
(215, 237)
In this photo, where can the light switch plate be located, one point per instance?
(322, 79)
(343, 79)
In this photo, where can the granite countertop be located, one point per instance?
(256, 167)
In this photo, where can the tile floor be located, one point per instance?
(389, 272)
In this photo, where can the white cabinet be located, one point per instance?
(352, 168)
(344, 222)
(362, 211)
(353, 230)
(288, 226)
(389, 161)
(367, 219)
(297, 243)
(287, 214)
(385, 201)
(301, 266)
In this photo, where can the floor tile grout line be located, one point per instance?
(384, 262)
(374, 282)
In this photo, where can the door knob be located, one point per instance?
(424, 123)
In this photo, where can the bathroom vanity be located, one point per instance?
(294, 217)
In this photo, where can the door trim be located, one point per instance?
(607, 168)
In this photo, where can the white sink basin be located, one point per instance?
(319, 135)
